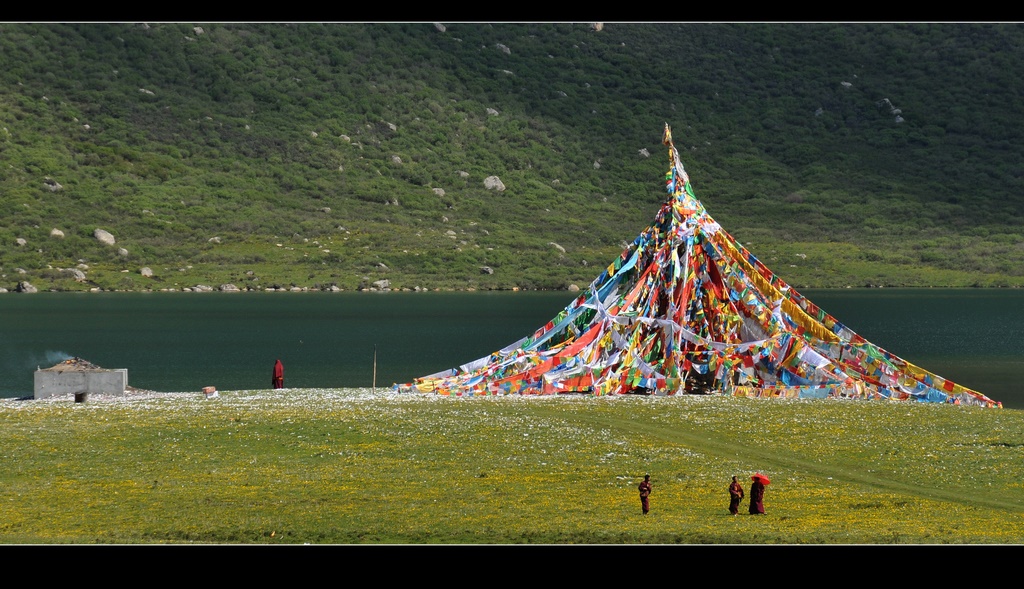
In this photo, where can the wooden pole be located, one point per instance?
(375, 368)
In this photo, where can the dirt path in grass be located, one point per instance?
(711, 442)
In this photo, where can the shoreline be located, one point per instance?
(305, 289)
(137, 394)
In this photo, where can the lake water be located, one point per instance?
(184, 341)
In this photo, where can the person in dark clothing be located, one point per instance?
(645, 493)
(735, 495)
(278, 379)
(757, 495)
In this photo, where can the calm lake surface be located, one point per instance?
(184, 341)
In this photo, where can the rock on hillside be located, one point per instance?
(493, 183)
(104, 236)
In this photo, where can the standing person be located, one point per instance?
(645, 493)
(278, 379)
(735, 495)
(757, 494)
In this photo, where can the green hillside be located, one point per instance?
(313, 155)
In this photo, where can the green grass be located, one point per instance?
(344, 466)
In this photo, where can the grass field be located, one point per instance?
(348, 466)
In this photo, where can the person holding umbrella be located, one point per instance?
(757, 493)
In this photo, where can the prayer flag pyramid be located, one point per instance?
(687, 309)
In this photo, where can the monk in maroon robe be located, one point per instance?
(735, 495)
(645, 493)
(757, 497)
(278, 378)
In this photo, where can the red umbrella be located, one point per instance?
(763, 478)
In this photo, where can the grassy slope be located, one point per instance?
(282, 141)
(319, 466)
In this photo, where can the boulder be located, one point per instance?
(51, 184)
(20, 241)
(56, 233)
(104, 237)
(146, 271)
(438, 191)
(493, 183)
(122, 252)
(229, 288)
(383, 284)
(75, 273)
(24, 286)
(486, 270)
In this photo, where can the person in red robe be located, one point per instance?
(278, 378)
(645, 493)
(756, 496)
(735, 495)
